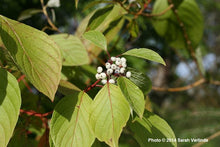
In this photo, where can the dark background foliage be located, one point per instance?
(192, 114)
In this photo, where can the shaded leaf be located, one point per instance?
(152, 126)
(168, 26)
(141, 80)
(10, 103)
(34, 53)
(145, 54)
(109, 114)
(28, 13)
(67, 88)
(133, 94)
(133, 29)
(70, 122)
(72, 49)
(96, 38)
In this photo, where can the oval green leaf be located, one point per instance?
(67, 88)
(145, 54)
(34, 53)
(169, 27)
(98, 17)
(109, 114)
(70, 122)
(10, 103)
(96, 38)
(150, 127)
(141, 80)
(133, 94)
(72, 49)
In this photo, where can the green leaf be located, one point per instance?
(34, 53)
(28, 13)
(70, 122)
(133, 29)
(133, 94)
(96, 38)
(109, 114)
(76, 3)
(10, 103)
(67, 88)
(72, 49)
(168, 26)
(149, 127)
(198, 54)
(145, 54)
(141, 80)
(98, 17)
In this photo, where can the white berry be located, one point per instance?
(128, 74)
(113, 66)
(98, 76)
(118, 59)
(112, 81)
(99, 69)
(118, 62)
(123, 60)
(103, 75)
(113, 58)
(109, 71)
(104, 81)
(124, 65)
(107, 65)
(117, 71)
(122, 70)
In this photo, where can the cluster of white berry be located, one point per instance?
(115, 67)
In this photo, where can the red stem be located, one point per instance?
(91, 86)
(21, 78)
(33, 113)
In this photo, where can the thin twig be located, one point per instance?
(136, 14)
(91, 86)
(209, 138)
(158, 14)
(215, 82)
(44, 8)
(177, 89)
(33, 113)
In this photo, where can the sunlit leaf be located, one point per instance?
(96, 38)
(34, 53)
(198, 54)
(152, 126)
(145, 54)
(76, 3)
(70, 122)
(169, 27)
(98, 17)
(72, 49)
(10, 102)
(109, 114)
(133, 94)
